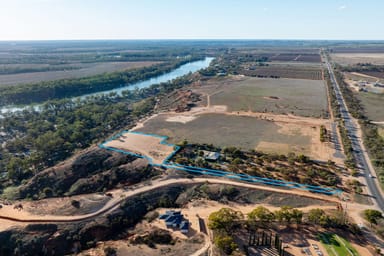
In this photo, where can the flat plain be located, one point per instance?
(246, 132)
(74, 71)
(373, 105)
(280, 96)
(356, 57)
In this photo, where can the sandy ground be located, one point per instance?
(144, 145)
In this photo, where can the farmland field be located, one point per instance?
(77, 71)
(363, 76)
(374, 74)
(245, 132)
(287, 71)
(281, 96)
(373, 105)
(296, 57)
(354, 58)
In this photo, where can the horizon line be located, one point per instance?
(190, 39)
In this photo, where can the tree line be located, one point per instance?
(226, 222)
(65, 88)
(34, 140)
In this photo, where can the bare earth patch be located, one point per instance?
(141, 144)
(180, 119)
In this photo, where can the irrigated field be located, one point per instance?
(280, 96)
(77, 71)
(246, 132)
(336, 245)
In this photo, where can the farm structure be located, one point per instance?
(174, 219)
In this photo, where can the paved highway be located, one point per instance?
(361, 157)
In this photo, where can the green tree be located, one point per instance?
(15, 168)
(224, 219)
(297, 215)
(372, 216)
(260, 214)
(284, 214)
(315, 215)
(225, 243)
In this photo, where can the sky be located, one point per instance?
(191, 19)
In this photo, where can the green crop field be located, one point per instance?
(280, 96)
(336, 245)
(226, 130)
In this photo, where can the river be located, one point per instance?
(178, 72)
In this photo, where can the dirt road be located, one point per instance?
(8, 212)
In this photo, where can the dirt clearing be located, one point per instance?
(142, 144)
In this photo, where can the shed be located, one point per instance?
(209, 155)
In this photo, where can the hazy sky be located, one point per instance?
(187, 19)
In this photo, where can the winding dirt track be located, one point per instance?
(121, 195)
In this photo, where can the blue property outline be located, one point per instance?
(163, 141)
(213, 172)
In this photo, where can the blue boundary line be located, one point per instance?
(213, 172)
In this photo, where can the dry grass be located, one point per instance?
(246, 132)
(354, 58)
(280, 96)
(373, 105)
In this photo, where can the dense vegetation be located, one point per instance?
(34, 140)
(297, 168)
(362, 68)
(59, 89)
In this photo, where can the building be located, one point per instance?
(184, 227)
(211, 156)
(174, 219)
